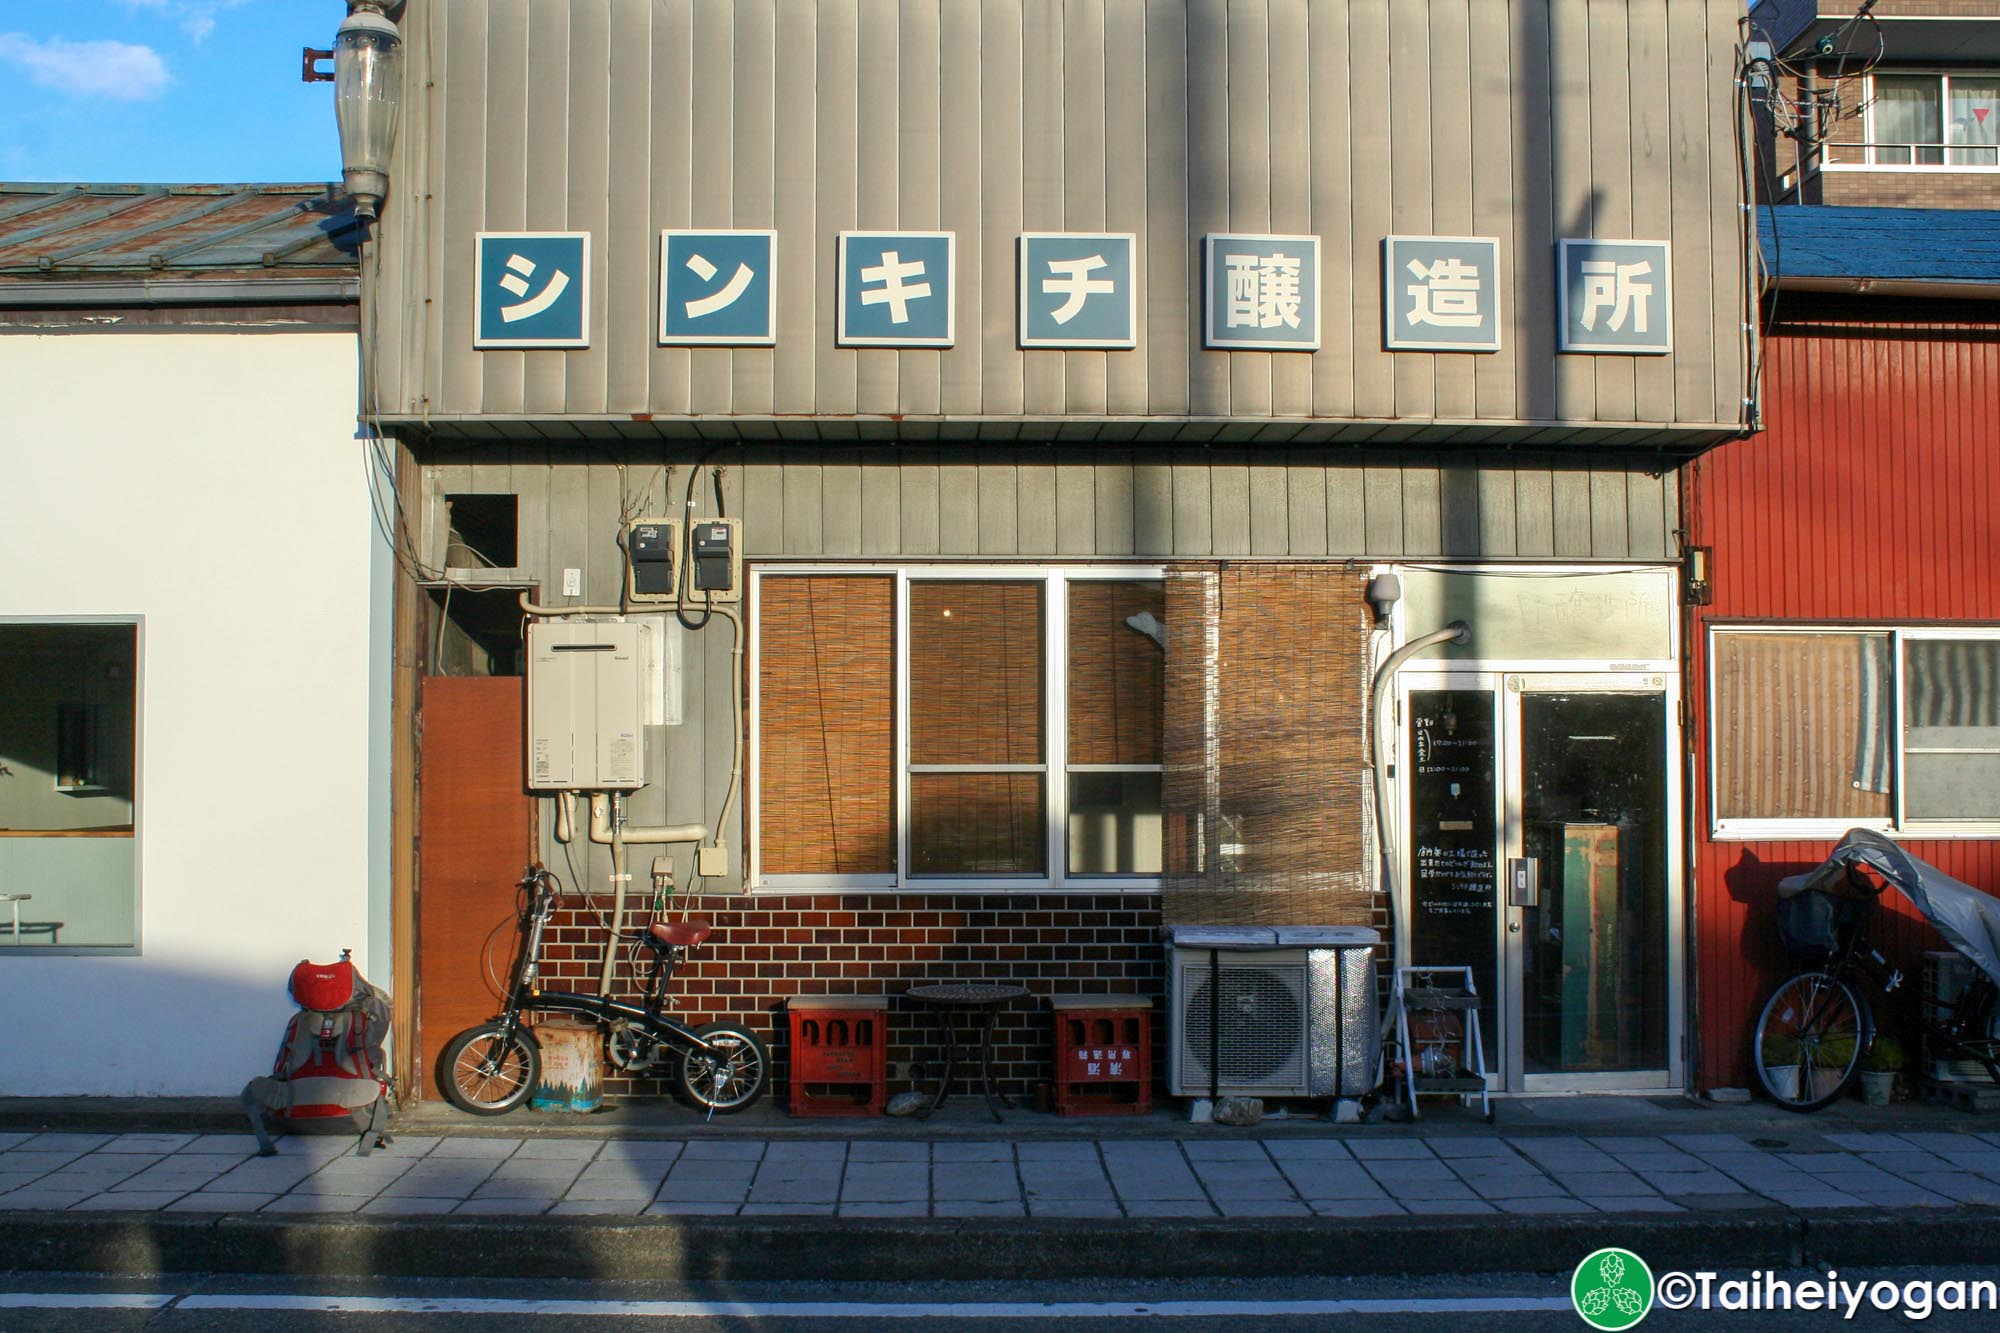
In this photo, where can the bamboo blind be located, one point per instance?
(1265, 700)
(1117, 675)
(825, 759)
(1790, 735)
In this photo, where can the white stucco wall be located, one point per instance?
(211, 484)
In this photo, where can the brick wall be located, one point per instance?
(768, 948)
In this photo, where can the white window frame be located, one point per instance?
(1767, 828)
(1055, 766)
(1867, 148)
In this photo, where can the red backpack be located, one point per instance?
(331, 1065)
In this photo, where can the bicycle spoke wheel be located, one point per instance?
(488, 1071)
(1809, 1040)
(732, 1077)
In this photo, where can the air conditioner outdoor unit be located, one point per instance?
(1286, 1011)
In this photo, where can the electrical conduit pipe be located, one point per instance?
(608, 827)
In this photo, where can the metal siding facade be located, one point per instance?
(1870, 497)
(1347, 119)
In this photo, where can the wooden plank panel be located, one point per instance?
(1004, 386)
(1194, 518)
(1368, 97)
(528, 479)
(1693, 361)
(548, 173)
(920, 205)
(1208, 186)
(1498, 523)
(763, 509)
(958, 509)
(959, 173)
(879, 170)
(1035, 508)
(583, 373)
(1382, 500)
(1229, 504)
(629, 238)
(1084, 168)
(805, 282)
(1461, 523)
(881, 502)
(1073, 514)
(671, 380)
(1331, 211)
(1305, 504)
(1412, 180)
(1572, 512)
(603, 559)
(922, 507)
(753, 203)
(805, 507)
(840, 502)
(1573, 189)
(1152, 509)
(1646, 529)
(1041, 164)
(506, 183)
(1493, 113)
(1289, 79)
(1269, 506)
(1173, 265)
(1125, 182)
(1534, 512)
(838, 205)
(1347, 510)
(1115, 505)
(1611, 176)
(1608, 506)
(1652, 179)
(1726, 227)
(1247, 143)
(1533, 287)
(1455, 104)
(999, 509)
(462, 163)
(1423, 515)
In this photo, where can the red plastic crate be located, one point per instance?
(1103, 1054)
(840, 1054)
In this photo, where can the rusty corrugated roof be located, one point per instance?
(112, 234)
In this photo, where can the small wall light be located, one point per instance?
(1696, 561)
(1384, 591)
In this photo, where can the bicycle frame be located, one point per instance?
(525, 995)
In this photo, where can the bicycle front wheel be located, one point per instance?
(1809, 1041)
(731, 1076)
(489, 1070)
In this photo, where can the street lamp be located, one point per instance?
(367, 89)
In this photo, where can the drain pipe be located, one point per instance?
(608, 827)
(1456, 632)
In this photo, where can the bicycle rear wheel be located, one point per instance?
(732, 1077)
(1809, 1041)
(488, 1070)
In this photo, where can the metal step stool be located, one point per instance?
(1446, 999)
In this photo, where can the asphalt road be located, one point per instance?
(1473, 1304)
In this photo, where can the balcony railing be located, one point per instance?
(1912, 156)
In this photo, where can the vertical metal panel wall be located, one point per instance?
(1872, 496)
(1527, 120)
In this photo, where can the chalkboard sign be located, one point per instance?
(1454, 828)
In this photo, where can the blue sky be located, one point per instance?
(165, 90)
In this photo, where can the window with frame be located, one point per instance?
(68, 798)
(1934, 120)
(945, 727)
(1817, 730)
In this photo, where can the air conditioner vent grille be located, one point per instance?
(1263, 1013)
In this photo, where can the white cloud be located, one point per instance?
(196, 17)
(115, 70)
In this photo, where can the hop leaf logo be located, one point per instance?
(1612, 1289)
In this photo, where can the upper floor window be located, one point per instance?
(1934, 120)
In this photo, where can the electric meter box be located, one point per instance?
(652, 560)
(717, 565)
(585, 706)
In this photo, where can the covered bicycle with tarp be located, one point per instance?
(1816, 1029)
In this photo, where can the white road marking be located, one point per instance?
(475, 1305)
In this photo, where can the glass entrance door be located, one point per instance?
(1541, 850)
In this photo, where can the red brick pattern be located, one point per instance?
(767, 948)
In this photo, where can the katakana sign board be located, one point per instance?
(1615, 297)
(1078, 289)
(896, 289)
(1261, 293)
(718, 288)
(1441, 294)
(532, 289)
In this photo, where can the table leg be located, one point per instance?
(950, 1063)
(993, 1103)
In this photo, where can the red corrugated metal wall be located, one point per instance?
(1874, 494)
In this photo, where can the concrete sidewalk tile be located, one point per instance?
(1591, 1184)
(1815, 1161)
(557, 1150)
(1445, 1207)
(640, 1150)
(410, 1205)
(1225, 1150)
(70, 1143)
(1385, 1150)
(1618, 1144)
(1304, 1150)
(1812, 1198)
(435, 1184)
(978, 1208)
(554, 1174)
(161, 1143)
(793, 1208)
(1429, 1190)
(978, 1150)
(747, 1151)
(995, 1181)
(1544, 1206)
(1899, 1195)
(1168, 1208)
(602, 1207)
(1539, 1187)
(738, 1169)
(1629, 1204)
(887, 1151)
(9, 1140)
(704, 1191)
(1872, 1142)
(1454, 1146)
(885, 1208)
(201, 1201)
(1396, 1171)
(315, 1203)
(497, 1188)
(13, 1180)
(1689, 1182)
(1074, 1208)
(610, 1191)
(1383, 1207)
(243, 1143)
(795, 1191)
(1903, 1162)
(1699, 1143)
(1248, 1207)
(885, 1183)
(1644, 1162)
(148, 1202)
(164, 1177)
(1355, 1187)
(1153, 1187)
(1957, 1186)
(1940, 1142)
(694, 1208)
(23, 1159)
(468, 1146)
(507, 1207)
(36, 1197)
(1055, 1150)
(1720, 1203)
(1985, 1163)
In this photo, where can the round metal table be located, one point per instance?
(981, 1000)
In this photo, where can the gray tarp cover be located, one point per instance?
(1968, 919)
